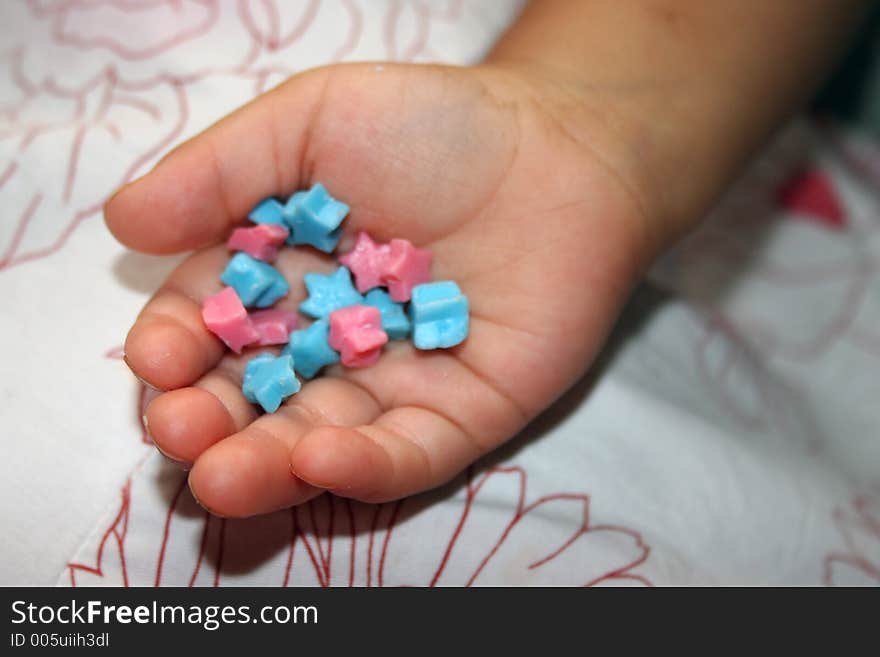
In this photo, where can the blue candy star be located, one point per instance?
(257, 283)
(314, 218)
(269, 380)
(294, 200)
(250, 369)
(310, 349)
(329, 293)
(268, 211)
(394, 320)
(440, 315)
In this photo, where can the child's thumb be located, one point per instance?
(207, 184)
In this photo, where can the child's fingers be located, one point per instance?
(249, 472)
(405, 451)
(198, 191)
(184, 423)
(169, 345)
(441, 414)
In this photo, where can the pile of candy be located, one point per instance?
(353, 320)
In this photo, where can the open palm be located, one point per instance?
(501, 177)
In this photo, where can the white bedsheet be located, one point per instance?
(729, 434)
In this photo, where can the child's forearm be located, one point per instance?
(689, 87)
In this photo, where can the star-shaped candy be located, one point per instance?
(256, 283)
(310, 349)
(356, 332)
(440, 315)
(405, 267)
(269, 380)
(329, 293)
(268, 211)
(394, 320)
(366, 261)
(288, 209)
(261, 241)
(225, 316)
(314, 217)
(273, 325)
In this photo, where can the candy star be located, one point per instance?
(440, 315)
(329, 293)
(273, 325)
(405, 267)
(268, 211)
(366, 262)
(292, 202)
(225, 316)
(269, 380)
(356, 333)
(310, 349)
(250, 370)
(261, 241)
(314, 217)
(394, 320)
(257, 283)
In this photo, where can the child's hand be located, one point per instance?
(543, 183)
(504, 177)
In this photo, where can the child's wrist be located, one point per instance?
(610, 129)
(671, 96)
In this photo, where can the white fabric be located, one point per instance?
(728, 435)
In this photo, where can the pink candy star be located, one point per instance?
(366, 262)
(405, 268)
(273, 325)
(356, 333)
(398, 265)
(225, 316)
(261, 241)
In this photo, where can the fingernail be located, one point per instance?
(146, 383)
(124, 185)
(199, 502)
(185, 465)
(311, 482)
